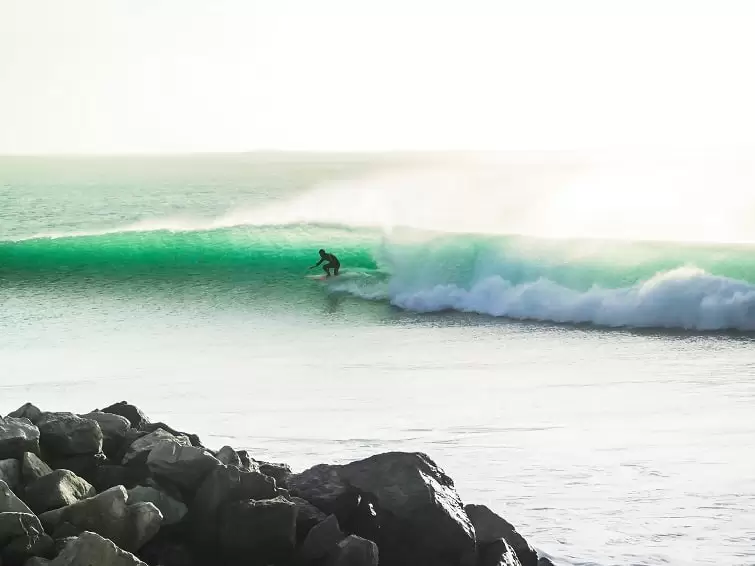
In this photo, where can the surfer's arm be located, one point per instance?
(318, 263)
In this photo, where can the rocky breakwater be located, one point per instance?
(110, 488)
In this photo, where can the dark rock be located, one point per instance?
(21, 537)
(16, 437)
(322, 540)
(167, 552)
(114, 429)
(108, 476)
(490, 527)
(134, 415)
(33, 468)
(83, 465)
(543, 561)
(10, 472)
(223, 485)
(185, 466)
(497, 553)
(27, 411)
(405, 497)
(129, 526)
(173, 511)
(228, 457)
(65, 434)
(262, 530)
(355, 551)
(58, 489)
(247, 462)
(9, 503)
(151, 427)
(90, 549)
(37, 561)
(306, 518)
(139, 450)
(66, 530)
(61, 543)
(279, 472)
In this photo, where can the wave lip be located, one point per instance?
(684, 298)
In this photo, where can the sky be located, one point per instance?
(107, 76)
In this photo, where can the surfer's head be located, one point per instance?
(321, 252)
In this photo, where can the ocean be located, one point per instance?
(577, 355)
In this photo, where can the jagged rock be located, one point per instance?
(497, 553)
(355, 551)
(279, 472)
(114, 429)
(419, 519)
(33, 468)
(173, 511)
(9, 503)
(151, 427)
(129, 526)
(247, 462)
(107, 476)
(83, 465)
(134, 415)
(306, 518)
(17, 435)
(90, 549)
(322, 540)
(185, 466)
(140, 448)
(225, 484)
(228, 457)
(544, 561)
(21, 536)
(489, 527)
(264, 529)
(27, 411)
(10, 472)
(57, 489)
(65, 434)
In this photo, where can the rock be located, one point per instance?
(107, 476)
(10, 472)
(168, 552)
(322, 540)
(37, 561)
(173, 511)
(33, 468)
(355, 551)
(83, 465)
(490, 527)
(57, 489)
(90, 549)
(114, 429)
(16, 437)
(140, 448)
(265, 530)
(151, 427)
(279, 472)
(497, 553)
(228, 457)
(417, 512)
(225, 484)
(306, 518)
(21, 537)
(247, 462)
(544, 561)
(66, 530)
(65, 434)
(61, 543)
(185, 466)
(134, 415)
(129, 526)
(9, 503)
(27, 411)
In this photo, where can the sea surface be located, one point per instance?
(596, 391)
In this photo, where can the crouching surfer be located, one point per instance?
(332, 260)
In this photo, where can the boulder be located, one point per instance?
(90, 549)
(265, 530)
(306, 518)
(57, 489)
(228, 457)
(185, 466)
(132, 413)
(17, 435)
(544, 561)
(9, 503)
(279, 472)
(321, 540)
(10, 472)
(108, 475)
(21, 537)
(83, 465)
(169, 552)
(37, 561)
(129, 526)
(497, 553)
(33, 468)
(489, 528)
(139, 450)
(66, 530)
(151, 427)
(173, 511)
(418, 516)
(225, 484)
(355, 551)
(114, 429)
(27, 411)
(65, 434)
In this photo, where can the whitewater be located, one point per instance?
(573, 342)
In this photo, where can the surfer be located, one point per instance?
(332, 260)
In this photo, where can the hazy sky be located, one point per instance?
(215, 75)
